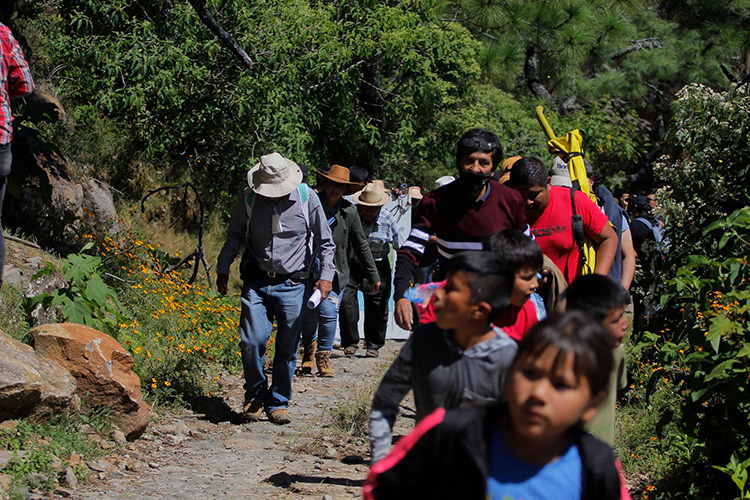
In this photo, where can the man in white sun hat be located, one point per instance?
(275, 218)
(381, 230)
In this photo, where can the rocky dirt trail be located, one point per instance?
(214, 454)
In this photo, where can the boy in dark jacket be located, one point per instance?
(532, 447)
(460, 360)
(604, 300)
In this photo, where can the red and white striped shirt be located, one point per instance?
(15, 80)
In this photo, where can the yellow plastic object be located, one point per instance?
(572, 142)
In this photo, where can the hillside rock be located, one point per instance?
(50, 202)
(30, 385)
(99, 208)
(102, 369)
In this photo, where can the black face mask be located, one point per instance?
(472, 182)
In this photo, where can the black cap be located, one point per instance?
(638, 200)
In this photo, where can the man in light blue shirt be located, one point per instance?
(382, 231)
(280, 220)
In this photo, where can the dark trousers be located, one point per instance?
(376, 308)
(5, 160)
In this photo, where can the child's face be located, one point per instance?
(453, 305)
(543, 403)
(524, 285)
(616, 324)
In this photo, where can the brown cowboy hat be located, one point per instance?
(371, 196)
(340, 175)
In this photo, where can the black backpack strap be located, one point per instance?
(576, 224)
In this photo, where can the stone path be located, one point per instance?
(188, 457)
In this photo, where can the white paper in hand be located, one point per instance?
(314, 300)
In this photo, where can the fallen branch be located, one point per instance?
(21, 241)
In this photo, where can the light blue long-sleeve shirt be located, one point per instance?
(279, 235)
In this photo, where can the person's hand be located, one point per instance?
(545, 272)
(375, 287)
(222, 280)
(404, 314)
(325, 288)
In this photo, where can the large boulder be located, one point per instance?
(30, 385)
(102, 369)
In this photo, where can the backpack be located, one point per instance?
(656, 231)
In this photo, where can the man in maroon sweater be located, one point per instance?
(459, 214)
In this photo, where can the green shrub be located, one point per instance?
(181, 336)
(701, 299)
(12, 316)
(86, 299)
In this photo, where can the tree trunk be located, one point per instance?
(372, 102)
(530, 71)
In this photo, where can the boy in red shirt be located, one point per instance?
(522, 254)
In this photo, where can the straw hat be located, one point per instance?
(274, 176)
(506, 168)
(446, 179)
(371, 196)
(340, 175)
(381, 184)
(415, 192)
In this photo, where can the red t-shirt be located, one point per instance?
(554, 234)
(427, 312)
(516, 321)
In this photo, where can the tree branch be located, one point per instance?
(225, 38)
(645, 44)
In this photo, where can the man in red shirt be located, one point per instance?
(549, 210)
(15, 81)
(459, 214)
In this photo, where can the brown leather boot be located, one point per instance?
(308, 357)
(323, 362)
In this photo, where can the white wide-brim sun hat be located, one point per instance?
(274, 176)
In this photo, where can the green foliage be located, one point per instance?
(738, 471)
(647, 442)
(699, 326)
(86, 299)
(12, 319)
(351, 414)
(146, 83)
(614, 137)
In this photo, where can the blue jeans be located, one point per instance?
(5, 161)
(263, 300)
(321, 322)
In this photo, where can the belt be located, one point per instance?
(280, 276)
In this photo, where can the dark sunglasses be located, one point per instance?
(478, 145)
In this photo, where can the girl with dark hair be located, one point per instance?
(531, 447)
